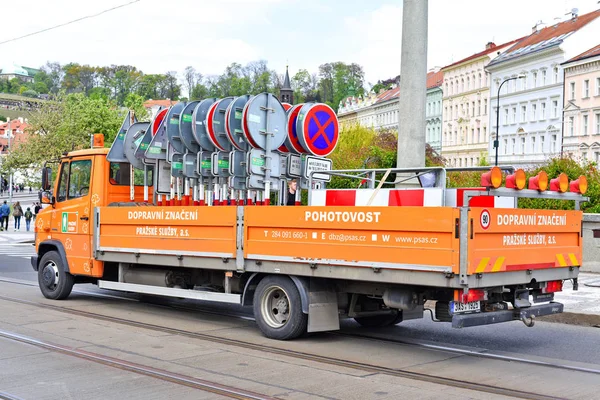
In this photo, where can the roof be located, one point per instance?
(492, 48)
(161, 103)
(594, 51)
(286, 80)
(19, 137)
(13, 69)
(434, 79)
(88, 152)
(547, 37)
(15, 125)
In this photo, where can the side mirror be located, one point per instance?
(46, 198)
(46, 178)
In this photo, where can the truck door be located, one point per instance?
(72, 214)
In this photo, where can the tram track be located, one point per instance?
(364, 367)
(161, 374)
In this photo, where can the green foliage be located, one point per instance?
(135, 102)
(573, 169)
(64, 125)
(3, 118)
(339, 80)
(30, 93)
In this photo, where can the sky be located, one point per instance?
(160, 36)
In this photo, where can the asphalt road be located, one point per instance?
(552, 340)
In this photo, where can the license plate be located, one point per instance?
(457, 308)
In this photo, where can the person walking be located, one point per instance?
(17, 214)
(4, 213)
(28, 217)
(291, 194)
(36, 209)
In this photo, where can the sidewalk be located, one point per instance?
(582, 307)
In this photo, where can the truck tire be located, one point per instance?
(379, 321)
(278, 308)
(55, 283)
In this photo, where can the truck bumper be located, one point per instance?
(494, 317)
(34, 263)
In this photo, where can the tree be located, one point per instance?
(135, 102)
(190, 77)
(63, 125)
(199, 92)
(55, 74)
(171, 87)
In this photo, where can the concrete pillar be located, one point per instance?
(413, 86)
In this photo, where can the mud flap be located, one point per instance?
(323, 314)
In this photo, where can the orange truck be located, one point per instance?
(303, 268)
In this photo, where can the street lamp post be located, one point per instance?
(497, 141)
(10, 193)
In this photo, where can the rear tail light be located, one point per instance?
(516, 180)
(553, 286)
(492, 179)
(560, 184)
(539, 182)
(579, 185)
(474, 295)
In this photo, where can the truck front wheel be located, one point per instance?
(278, 308)
(55, 283)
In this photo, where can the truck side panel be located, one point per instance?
(209, 232)
(387, 237)
(505, 240)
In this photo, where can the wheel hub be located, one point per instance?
(275, 306)
(50, 275)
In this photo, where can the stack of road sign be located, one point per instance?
(235, 150)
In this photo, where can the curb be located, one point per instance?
(573, 318)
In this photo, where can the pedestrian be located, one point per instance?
(291, 193)
(17, 214)
(28, 216)
(4, 213)
(37, 209)
(29, 189)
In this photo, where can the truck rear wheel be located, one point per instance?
(379, 321)
(55, 283)
(278, 308)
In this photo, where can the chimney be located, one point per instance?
(21, 119)
(490, 45)
(538, 26)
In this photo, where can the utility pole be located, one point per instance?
(413, 85)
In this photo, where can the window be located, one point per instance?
(513, 147)
(584, 155)
(120, 173)
(598, 124)
(542, 140)
(478, 137)
(505, 146)
(485, 107)
(523, 145)
(514, 115)
(585, 125)
(533, 149)
(478, 107)
(446, 86)
(543, 111)
(533, 112)
(473, 112)
(597, 157)
(497, 86)
(481, 82)
(597, 86)
(79, 178)
(485, 133)
(534, 79)
(555, 75)
(572, 90)
(571, 126)
(544, 78)
(506, 116)
(473, 135)
(554, 108)
(523, 113)
(586, 88)
(462, 85)
(468, 83)
(524, 79)
(553, 144)
(64, 180)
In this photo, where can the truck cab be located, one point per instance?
(63, 230)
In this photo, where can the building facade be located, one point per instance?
(433, 110)
(380, 111)
(286, 93)
(531, 101)
(11, 71)
(465, 134)
(581, 135)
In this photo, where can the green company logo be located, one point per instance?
(64, 226)
(177, 165)
(205, 165)
(238, 115)
(174, 121)
(223, 164)
(187, 117)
